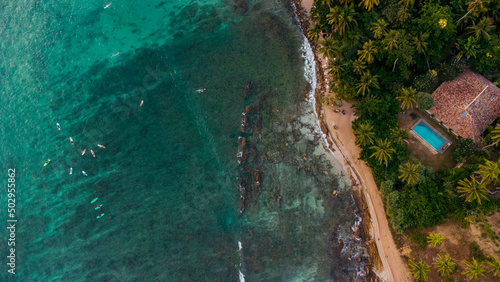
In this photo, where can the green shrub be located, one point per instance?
(465, 147)
(476, 252)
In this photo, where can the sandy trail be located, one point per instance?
(394, 268)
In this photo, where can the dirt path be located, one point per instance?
(394, 268)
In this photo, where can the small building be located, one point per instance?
(467, 105)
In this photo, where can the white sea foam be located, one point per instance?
(242, 277)
(239, 246)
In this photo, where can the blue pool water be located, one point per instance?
(425, 132)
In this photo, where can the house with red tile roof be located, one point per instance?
(467, 105)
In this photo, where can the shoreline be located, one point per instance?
(385, 261)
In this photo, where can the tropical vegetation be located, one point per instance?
(445, 265)
(419, 270)
(434, 239)
(387, 57)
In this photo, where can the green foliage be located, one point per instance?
(465, 147)
(445, 265)
(474, 269)
(407, 98)
(450, 69)
(386, 187)
(424, 101)
(472, 191)
(424, 205)
(426, 80)
(476, 253)
(495, 267)
(410, 173)
(418, 238)
(419, 270)
(436, 20)
(434, 239)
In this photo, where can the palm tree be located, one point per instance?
(495, 264)
(383, 151)
(467, 48)
(408, 98)
(399, 135)
(419, 270)
(336, 68)
(391, 39)
(342, 18)
(366, 82)
(489, 172)
(434, 239)
(358, 66)
(369, 4)
(368, 52)
(407, 3)
(421, 44)
(482, 29)
(495, 136)
(410, 173)
(472, 191)
(379, 28)
(364, 134)
(474, 269)
(314, 32)
(445, 265)
(330, 48)
(476, 6)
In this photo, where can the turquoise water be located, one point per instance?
(425, 132)
(173, 173)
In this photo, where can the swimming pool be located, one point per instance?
(429, 135)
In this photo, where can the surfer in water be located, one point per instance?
(58, 126)
(83, 152)
(114, 55)
(92, 152)
(201, 90)
(84, 173)
(99, 216)
(101, 146)
(70, 171)
(93, 201)
(47, 162)
(71, 140)
(98, 207)
(107, 6)
(142, 102)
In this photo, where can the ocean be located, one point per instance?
(214, 166)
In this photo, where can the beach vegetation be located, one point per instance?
(434, 239)
(474, 269)
(420, 270)
(391, 56)
(445, 265)
(410, 173)
(407, 98)
(489, 172)
(472, 191)
(495, 267)
(383, 151)
(364, 134)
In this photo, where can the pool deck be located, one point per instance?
(443, 148)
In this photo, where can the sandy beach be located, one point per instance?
(393, 266)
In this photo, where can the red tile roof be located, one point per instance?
(468, 104)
